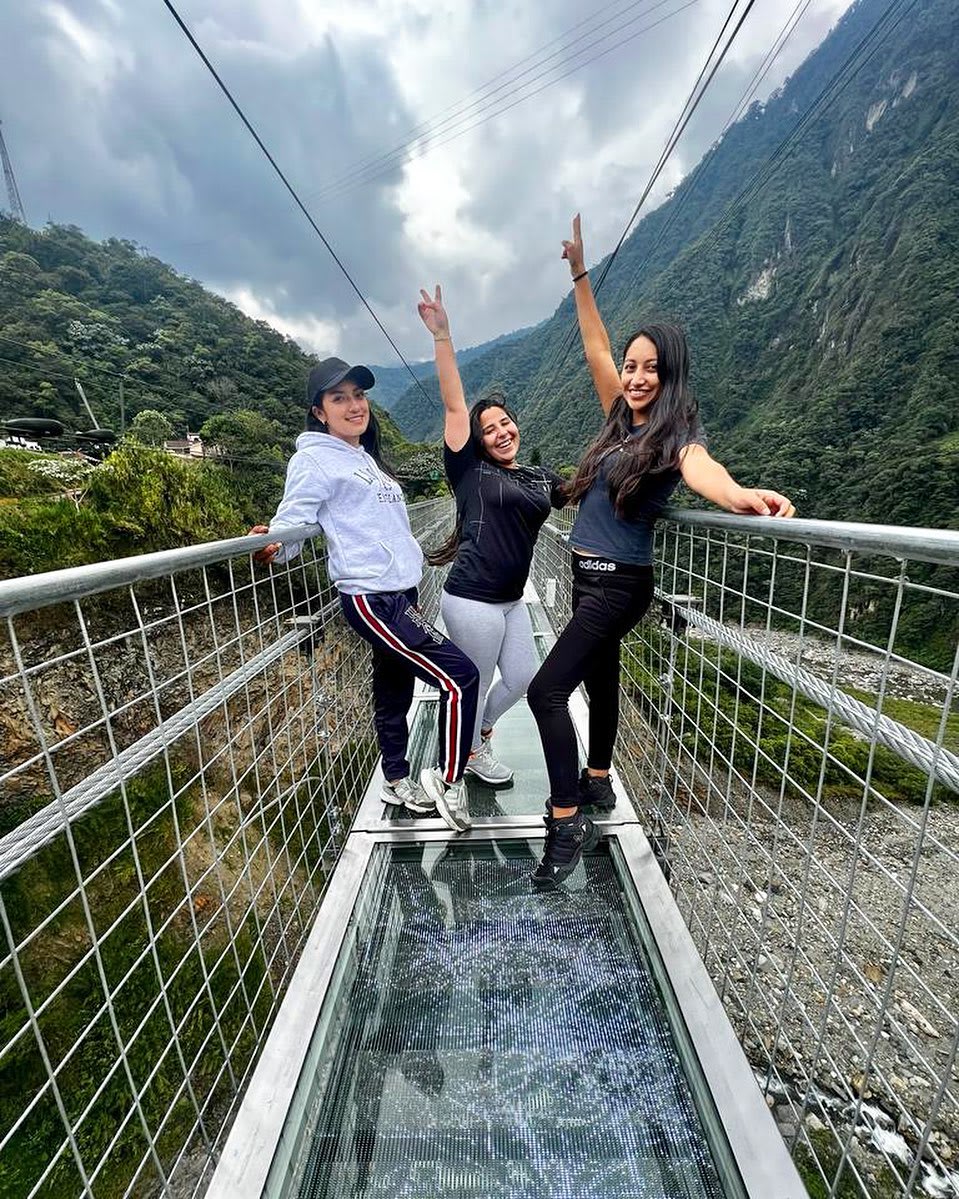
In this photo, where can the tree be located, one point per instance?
(150, 427)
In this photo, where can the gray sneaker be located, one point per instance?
(485, 767)
(450, 799)
(408, 793)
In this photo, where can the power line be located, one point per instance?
(289, 187)
(378, 167)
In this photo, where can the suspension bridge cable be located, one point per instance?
(680, 127)
(825, 100)
(699, 172)
(693, 101)
(829, 94)
(289, 187)
(432, 124)
(401, 154)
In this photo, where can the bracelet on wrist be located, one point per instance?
(442, 337)
(581, 275)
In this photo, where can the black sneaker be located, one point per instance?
(596, 792)
(566, 839)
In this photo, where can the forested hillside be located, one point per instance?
(109, 313)
(821, 309)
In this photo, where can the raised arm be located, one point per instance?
(599, 354)
(456, 426)
(714, 482)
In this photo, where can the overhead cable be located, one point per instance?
(289, 187)
(826, 98)
(693, 100)
(466, 123)
(482, 93)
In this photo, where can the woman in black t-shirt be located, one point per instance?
(651, 440)
(500, 509)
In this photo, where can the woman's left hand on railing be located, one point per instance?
(266, 555)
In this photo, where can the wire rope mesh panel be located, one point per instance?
(791, 736)
(181, 760)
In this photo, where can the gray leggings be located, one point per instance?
(493, 635)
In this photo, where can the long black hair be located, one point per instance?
(447, 551)
(672, 423)
(369, 438)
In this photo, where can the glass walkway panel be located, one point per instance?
(496, 1042)
(453, 1032)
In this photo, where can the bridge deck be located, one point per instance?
(452, 1032)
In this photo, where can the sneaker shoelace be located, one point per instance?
(561, 841)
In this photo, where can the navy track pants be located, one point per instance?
(407, 647)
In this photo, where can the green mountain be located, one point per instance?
(393, 382)
(109, 314)
(821, 306)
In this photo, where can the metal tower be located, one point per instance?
(13, 195)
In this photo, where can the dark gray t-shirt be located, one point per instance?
(599, 530)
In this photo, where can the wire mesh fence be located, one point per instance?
(185, 738)
(790, 735)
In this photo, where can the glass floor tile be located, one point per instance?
(485, 1040)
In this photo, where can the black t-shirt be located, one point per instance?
(500, 511)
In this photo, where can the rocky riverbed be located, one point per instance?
(830, 932)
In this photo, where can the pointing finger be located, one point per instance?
(439, 294)
(576, 227)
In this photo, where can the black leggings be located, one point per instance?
(608, 599)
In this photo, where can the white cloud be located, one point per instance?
(114, 125)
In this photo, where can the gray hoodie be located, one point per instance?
(368, 537)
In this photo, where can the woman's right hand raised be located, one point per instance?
(433, 314)
(573, 250)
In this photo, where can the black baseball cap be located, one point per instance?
(331, 371)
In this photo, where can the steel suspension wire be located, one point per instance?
(693, 100)
(289, 187)
(432, 125)
(400, 154)
(702, 167)
(692, 103)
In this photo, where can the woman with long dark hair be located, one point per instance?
(337, 478)
(500, 509)
(650, 441)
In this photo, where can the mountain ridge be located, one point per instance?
(803, 306)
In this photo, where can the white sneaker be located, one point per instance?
(408, 793)
(450, 799)
(485, 767)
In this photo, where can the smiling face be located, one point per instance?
(640, 378)
(500, 436)
(345, 411)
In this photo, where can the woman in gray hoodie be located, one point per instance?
(337, 479)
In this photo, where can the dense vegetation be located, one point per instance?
(821, 312)
(109, 315)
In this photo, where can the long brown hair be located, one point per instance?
(673, 422)
(447, 551)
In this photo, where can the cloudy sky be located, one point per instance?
(383, 114)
